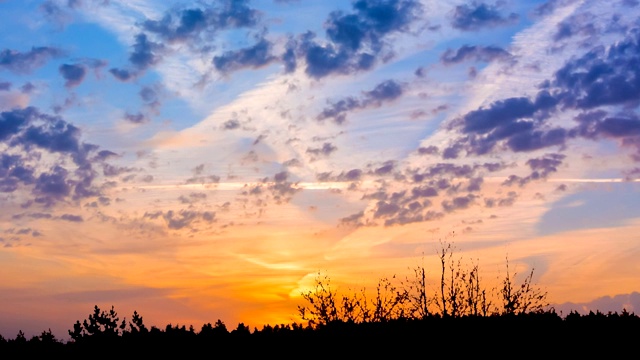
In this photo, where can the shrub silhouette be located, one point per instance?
(459, 293)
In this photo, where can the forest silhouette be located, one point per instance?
(399, 318)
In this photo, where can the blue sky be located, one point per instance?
(210, 157)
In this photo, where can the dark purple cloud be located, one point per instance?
(192, 198)
(254, 56)
(27, 88)
(386, 168)
(122, 74)
(13, 172)
(385, 91)
(351, 175)
(53, 186)
(582, 24)
(180, 25)
(512, 121)
(5, 86)
(509, 200)
(547, 164)
(145, 52)
(137, 118)
(204, 179)
(177, 220)
(475, 184)
(603, 76)
(598, 78)
(503, 113)
(444, 181)
(357, 38)
(72, 73)
(148, 94)
(231, 124)
(72, 218)
(11, 122)
(326, 150)
(474, 53)
(540, 168)
(476, 16)
(112, 170)
(56, 135)
(423, 191)
(428, 150)
(25, 62)
(30, 132)
(457, 203)
(289, 57)
(276, 189)
(619, 126)
(338, 110)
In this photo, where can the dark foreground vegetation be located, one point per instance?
(398, 319)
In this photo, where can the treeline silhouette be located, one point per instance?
(399, 318)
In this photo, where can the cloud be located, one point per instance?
(26, 62)
(416, 191)
(231, 124)
(474, 53)
(616, 304)
(145, 52)
(209, 179)
(26, 131)
(476, 16)
(337, 110)
(601, 77)
(326, 150)
(356, 38)
(457, 203)
(72, 218)
(72, 73)
(122, 74)
(540, 168)
(385, 91)
(52, 186)
(112, 170)
(137, 118)
(428, 150)
(148, 94)
(386, 168)
(512, 121)
(581, 24)
(13, 172)
(177, 220)
(255, 56)
(289, 57)
(350, 175)
(181, 25)
(277, 189)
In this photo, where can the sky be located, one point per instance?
(205, 160)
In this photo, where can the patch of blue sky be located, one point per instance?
(601, 206)
(91, 41)
(310, 15)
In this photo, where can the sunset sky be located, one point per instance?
(204, 160)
